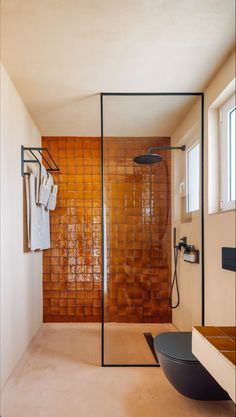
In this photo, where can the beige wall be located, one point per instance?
(219, 227)
(21, 281)
(188, 313)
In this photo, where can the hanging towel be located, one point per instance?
(41, 194)
(45, 242)
(37, 173)
(38, 222)
(52, 201)
(27, 209)
(50, 182)
(44, 189)
(45, 229)
(34, 214)
(44, 194)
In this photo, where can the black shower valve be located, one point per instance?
(182, 243)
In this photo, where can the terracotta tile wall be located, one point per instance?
(72, 267)
(138, 244)
(138, 241)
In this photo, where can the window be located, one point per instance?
(193, 177)
(227, 155)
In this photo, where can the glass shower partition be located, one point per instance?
(137, 223)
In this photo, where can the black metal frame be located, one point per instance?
(50, 168)
(201, 95)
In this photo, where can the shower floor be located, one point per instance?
(125, 343)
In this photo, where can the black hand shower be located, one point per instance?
(175, 276)
(177, 248)
(175, 280)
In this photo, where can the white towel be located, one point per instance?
(52, 201)
(45, 229)
(37, 173)
(50, 182)
(44, 193)
(27, 208)
(44, 189)
(38, 222)
(45, 240)
(34, 214)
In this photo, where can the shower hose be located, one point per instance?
(175, 280)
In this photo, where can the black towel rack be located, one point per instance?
(49, 161)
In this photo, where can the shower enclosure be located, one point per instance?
(140, 207)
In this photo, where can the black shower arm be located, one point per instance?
(166, 148)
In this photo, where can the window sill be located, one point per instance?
(221, 212)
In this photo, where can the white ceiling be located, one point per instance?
(62, 53)
(145, 115)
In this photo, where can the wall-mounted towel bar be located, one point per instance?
(51, 165)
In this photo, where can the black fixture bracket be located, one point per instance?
(182, 243)
(166, 148)
(38, 155)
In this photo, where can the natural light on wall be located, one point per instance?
(227, 154)
(193, 180)
(232, 154)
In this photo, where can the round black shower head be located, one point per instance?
(150, 158)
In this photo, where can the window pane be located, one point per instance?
(232, 171)
(193, 178)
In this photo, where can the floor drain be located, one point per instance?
(150, 342)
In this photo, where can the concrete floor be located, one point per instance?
(60, 376)
(125, 343)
